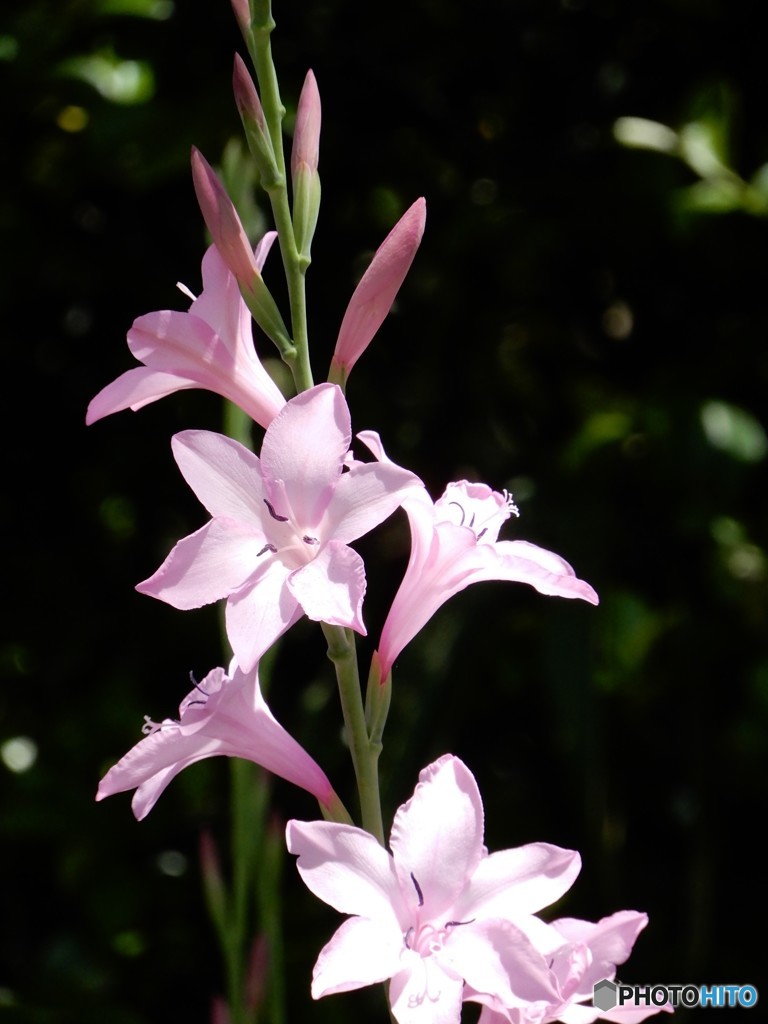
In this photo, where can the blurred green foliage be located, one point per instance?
(584, 324)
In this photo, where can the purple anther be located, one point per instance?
(452, 924)
(459, 507)
(271, 508)
(419, 893)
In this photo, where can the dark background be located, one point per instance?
(584, 324)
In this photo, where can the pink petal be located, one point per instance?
(225, 475)
(610, 943)
(365, 497)
(207, 565)
(220, 303)
(360, 953)
(374, 295)
(437, 836)
(304, 447)
(348, 869)
(440, 565)
(425, 993)
(520, 561)
(331, 587)
(513, 883)
(260, 613)
(134, 389)
(497, 958)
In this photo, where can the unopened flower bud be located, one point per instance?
(242, 9)
(374, 295)
(306, 135)
(230, 239)
(304, 160)
(254, 124)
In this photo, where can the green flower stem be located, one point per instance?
(262, 26)
(295, 270)
(249, 806)
(267, 888)
(365, 754)
(294, 263)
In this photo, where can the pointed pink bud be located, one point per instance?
(246, 97)
(377, 289)
(222, 220)
(242, 9)
(306, 135)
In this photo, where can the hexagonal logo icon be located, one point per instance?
(604, 995)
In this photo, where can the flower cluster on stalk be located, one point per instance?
(436, 916)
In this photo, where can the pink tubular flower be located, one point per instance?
(453, 544)
(374, 295)
(224, 714)
(277, 546)
(439, 911)
(580, 954)
(210, 346)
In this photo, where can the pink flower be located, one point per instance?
(374, 295)
(277, 546)
(210, 346)
(224, 714)
(453, 544)
(580, 954)
(439, 911)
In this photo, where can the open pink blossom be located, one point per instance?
(223, 714)
(580, 954)
(438, 911)
(453, 544)
(277, 546)
(210, 346)
(374, 295)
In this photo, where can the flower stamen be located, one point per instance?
(510, 503)
(199, 688)
(417, 887)
(461, 509)
(271, 508)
